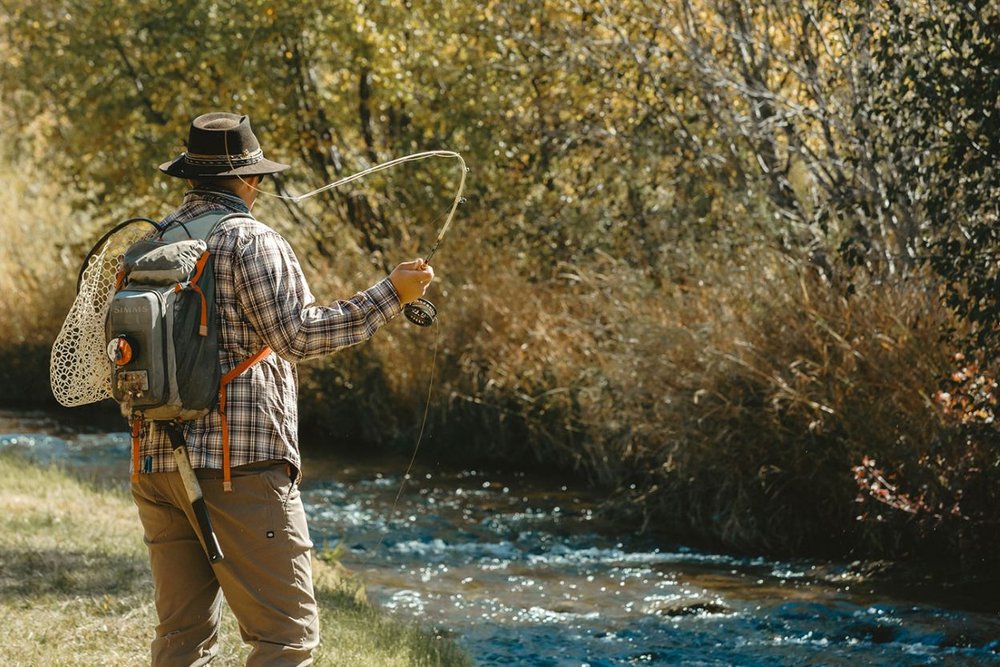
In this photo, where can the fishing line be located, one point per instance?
(416, 448)
(423, 421)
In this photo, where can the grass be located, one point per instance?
(75, 587)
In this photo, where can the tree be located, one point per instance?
(935, 100)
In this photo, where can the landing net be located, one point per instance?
(80, 370)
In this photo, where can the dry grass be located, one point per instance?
(75, 587)
(729, 407)
(37, 270)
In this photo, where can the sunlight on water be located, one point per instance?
(528, 576)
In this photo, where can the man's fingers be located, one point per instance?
(418, 266)
(411, 279)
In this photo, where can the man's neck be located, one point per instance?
(225, 194)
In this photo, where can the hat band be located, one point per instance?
(243, 160)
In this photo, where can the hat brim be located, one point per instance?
(180, 168)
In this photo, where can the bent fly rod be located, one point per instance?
(421, 311)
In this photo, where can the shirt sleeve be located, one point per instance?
(272, 291)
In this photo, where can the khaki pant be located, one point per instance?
(266, 576)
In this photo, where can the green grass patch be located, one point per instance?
(75, 587)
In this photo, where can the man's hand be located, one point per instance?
(411, 279)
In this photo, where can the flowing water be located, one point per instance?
(521, 571)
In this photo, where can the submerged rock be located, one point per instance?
(688, 607)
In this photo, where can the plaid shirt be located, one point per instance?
(263, 299)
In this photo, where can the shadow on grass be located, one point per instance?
(30, 572)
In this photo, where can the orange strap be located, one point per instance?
(227, 482)
(193, 284)
(136, 430)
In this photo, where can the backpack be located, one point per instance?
(161, 329)
(162, 333)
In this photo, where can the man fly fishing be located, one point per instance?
(246, 460)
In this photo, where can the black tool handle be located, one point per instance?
(207, 532)
(194, 494)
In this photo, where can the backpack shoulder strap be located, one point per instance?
(227, 483)
(201, 227)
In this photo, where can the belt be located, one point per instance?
(254, 468)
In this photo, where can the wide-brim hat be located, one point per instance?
(221, 144)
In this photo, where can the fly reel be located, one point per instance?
(421, 312)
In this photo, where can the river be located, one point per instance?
(522, 571)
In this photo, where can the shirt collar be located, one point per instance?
(217, 196)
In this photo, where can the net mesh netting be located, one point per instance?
(80, 370)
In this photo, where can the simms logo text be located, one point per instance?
(129, 310)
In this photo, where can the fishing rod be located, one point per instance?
(421, 311)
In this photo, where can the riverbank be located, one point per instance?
(751, 453)
(75, 587)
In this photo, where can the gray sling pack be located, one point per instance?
(161, 329)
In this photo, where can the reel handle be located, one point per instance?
(421, 312)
